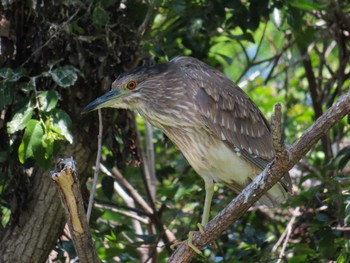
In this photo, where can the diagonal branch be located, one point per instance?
(267, 178)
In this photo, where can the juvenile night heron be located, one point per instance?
(220, 131)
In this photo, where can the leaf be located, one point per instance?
(12, 75)
(26, 86)
(62, 124)
(64, 76)
(309, 5)
(343, 258)
(48, 141)
(47, 100)
(277, 17)
(100, 17)
(6, 93)
(246, 36)
(344, 157)
(76, 28)
(20, 119)
(31, 140)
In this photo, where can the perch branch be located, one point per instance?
(265, 180)
(68, 185)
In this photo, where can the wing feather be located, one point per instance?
(229, 113)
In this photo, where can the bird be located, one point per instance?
(212, 121)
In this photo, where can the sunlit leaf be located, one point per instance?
(12, 75)
(20, 119)
(64, 76)
(47, 100)
(62, 124)
(309, 5)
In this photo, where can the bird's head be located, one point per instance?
(131, 89)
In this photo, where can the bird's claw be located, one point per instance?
(189, 240)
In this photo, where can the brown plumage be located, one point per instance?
(220, 131)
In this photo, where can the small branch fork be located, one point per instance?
(285, 160)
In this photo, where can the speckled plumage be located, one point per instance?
(220, 131)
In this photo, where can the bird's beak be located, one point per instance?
(106, 100)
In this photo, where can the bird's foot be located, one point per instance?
(189, 240)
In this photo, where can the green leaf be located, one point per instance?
(47, 100)
(20, 119)
(100, 17)
(246, 36)
(76, 28)
(64, 76)
(343, 258)
(48, 141)
(62, 124)
(309, 5)
(6, 93)
(31, 140)
(12, 75)
(26, 86)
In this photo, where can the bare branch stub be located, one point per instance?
(277, 130)
(67, 183)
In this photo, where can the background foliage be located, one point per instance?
(59, 55)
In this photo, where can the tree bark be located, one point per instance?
(40, 223)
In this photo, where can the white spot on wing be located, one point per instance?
(223, 136)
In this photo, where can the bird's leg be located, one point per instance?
(209, 192)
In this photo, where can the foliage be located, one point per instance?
(293, 52)
(36, 112)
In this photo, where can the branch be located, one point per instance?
(264, 181)
(97, 166)
(132, 191)
(67, 183)
(149, 161)
(315, 92)
(286, 234)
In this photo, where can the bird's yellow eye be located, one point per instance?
(131, 85)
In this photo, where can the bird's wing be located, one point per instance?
(230, 114)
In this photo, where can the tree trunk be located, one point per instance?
(40, 223)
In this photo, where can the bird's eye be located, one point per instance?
(131, 85)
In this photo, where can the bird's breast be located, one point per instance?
(211, 157)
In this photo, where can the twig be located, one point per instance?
(132, 191)
(286, 234)
(124, 213)
(150, 161)
(147, 22)
(97, 166)
(264, 181)
(296, 213)
(60, 28)
(169, 236)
